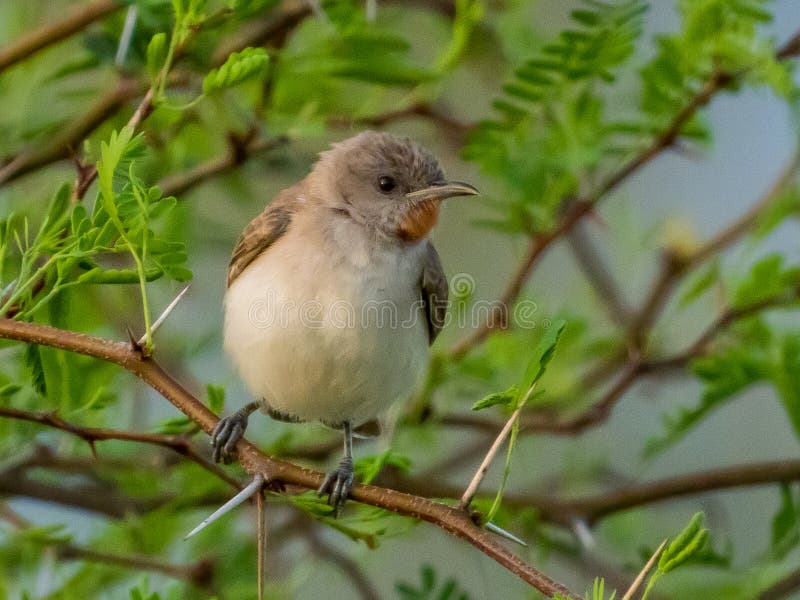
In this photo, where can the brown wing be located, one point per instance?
(434, 292)
(264, 230)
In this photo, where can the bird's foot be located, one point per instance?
(228, 431)
(337, 485)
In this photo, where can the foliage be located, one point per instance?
(430, 588)
(242, 95)
(680, 550)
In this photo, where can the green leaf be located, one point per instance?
(767, 279)
(544, 352)
(57, 214)
(368, 468)
(240, 66)
(176, 426)
(700, 284)
(33, 360)
(46, 535)
(685, 545)
(785, 524)
(430, 588)
(506, 398)
(216, 397)
(111, 155)
(156, 55)
(723, 375)
(786, 377)
(8, 390)
(100, 398)
(359, 522)
(249, 8)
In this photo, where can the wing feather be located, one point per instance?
(264, 230)
(434, 292)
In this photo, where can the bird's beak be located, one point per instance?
(440, 191)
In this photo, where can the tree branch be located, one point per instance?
(52, 33)
(176, 443)
(633, 370)
(199, 574)
(564, 512)
(541, 241)
(598, 274)
(782, 588)
(240, 150)
(675, 267)
(93, 498)
(456, 522)
(326, 551)
(595, 508)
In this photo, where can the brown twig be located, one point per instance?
(86, 176)
(240, 150)
(782, 588)
(456, 129)
(633, 370)
(93, 498)
(674, 267)
(52, 33)
(541, 241)
(594, 508)
(598, 274)
(475, 482)
(200, 574)
(272, 29)
(450, 519)
(326, 551)
(176, 443)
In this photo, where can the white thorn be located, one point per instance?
(7, 290)
(371, 10)
(242, 496)
(502, 532)
(127, 35)
(163, 316)
(583, 533)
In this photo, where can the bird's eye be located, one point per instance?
(386, 184)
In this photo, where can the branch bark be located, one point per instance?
(452, 520)
(52, 33)
(594, 508)
(240, 151)
(633, 370)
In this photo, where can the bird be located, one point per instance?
(335, 293)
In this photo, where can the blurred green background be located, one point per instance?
(687, 194)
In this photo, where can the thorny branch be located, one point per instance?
(452, 520)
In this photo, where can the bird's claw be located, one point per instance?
(337, 485)
(228, 431)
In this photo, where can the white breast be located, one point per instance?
(332, 330)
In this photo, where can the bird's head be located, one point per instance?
(385, 182)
